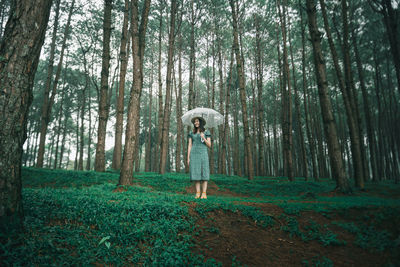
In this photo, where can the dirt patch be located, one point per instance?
(213, 189)
(226, 235)
(120, 189)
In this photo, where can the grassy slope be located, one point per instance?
(78, 218)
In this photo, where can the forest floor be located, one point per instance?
(83, 218)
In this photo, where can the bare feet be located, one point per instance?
(204, 195)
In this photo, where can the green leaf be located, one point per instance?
(104, 239)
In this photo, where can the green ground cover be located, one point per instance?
(77, 218)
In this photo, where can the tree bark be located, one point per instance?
(147, 164)
(160, 98)
(131, 138)
(286, 101)
(100, 161)
(326, 107)
(124, 56)
(237, 169)
(344, 85)
(26, 25)
(48, 102)
(239, 65)
(166, 122)
(179, 134)
(367, 111)
(298, 115)
(260, 106)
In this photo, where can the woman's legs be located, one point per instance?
(204, 187)
(197, 185)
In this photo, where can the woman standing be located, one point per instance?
(198, 161)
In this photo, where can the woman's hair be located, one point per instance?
(201, 126)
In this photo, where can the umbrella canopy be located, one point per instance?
(212, 117)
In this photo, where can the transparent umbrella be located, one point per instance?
(212, 117)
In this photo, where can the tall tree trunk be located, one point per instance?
(160, 97)
(226, 138)
(179, 134)
(88, 162)
(304, 78)
(77, 141)
(276, 153)
(286, 101)
(26, 25)
(123, 56)
(60, 116)
(148, 156)
(367, 111)
(192, 58)
(326, 107)
(64, 135)
(48, 102)
(165, 128)
(239, 65)
(211, 151)
(236, 158)
(360, 175)
(221, 153)
(260, 106)
(298, 114)
(254, 122)
(82, 143)
(344, 85)
(138, 44)
(100, 160)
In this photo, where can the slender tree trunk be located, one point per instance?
(160, 98)
(357, 151)
(100, 161)
(82, 143)
(221, 153)
(64, 135)
(344, 85)
(179, 138)
(367, 112)
(26, 25)
(88, 162)
(192, 59)
(239, 65)
(48, 102)
(326, 107)
(166, 122)
(77, 141)
(276, 153)
(260, 106)
(211, 151)
(226, 138)
(286, 100)
(123, 56)
(147, 166)
(60, 116)
(236, 159)
(138, 44)
(298, 115)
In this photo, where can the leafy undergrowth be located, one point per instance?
(83, 218)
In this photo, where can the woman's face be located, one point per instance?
(196, 123)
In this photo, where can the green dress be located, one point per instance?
(199, 164)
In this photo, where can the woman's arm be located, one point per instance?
(207, 140)
(189, 148)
